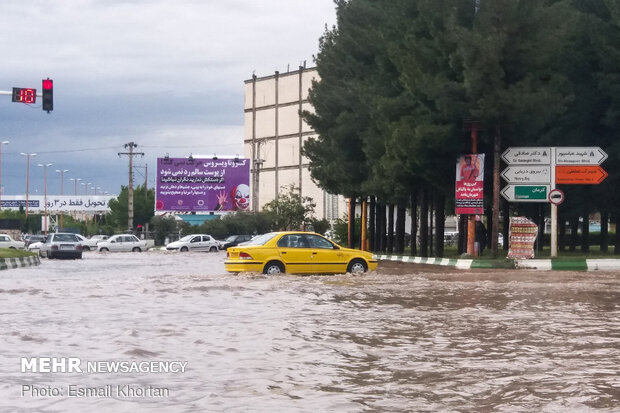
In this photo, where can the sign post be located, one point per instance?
(533, 173)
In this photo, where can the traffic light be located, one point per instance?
(48, 95)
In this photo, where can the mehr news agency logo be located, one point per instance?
(76, 365)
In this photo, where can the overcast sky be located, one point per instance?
(167, 75)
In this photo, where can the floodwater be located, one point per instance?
(404, 339)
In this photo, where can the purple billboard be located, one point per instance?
(202, 184)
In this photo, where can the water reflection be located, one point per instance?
(407, 338)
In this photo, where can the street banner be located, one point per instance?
(470, 184)
(523, 233)
(58, 203)
(202, 184)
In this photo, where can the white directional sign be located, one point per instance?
(580, 156)
(527, 156)
(526, 174)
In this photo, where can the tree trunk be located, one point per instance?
(414, 223)
(431, 210)
(352, 223)
(617, 237)
(574, 229)
(399, 241)
(462, 241)
(506, 223)
(604, 231)
(390, 229)
(585, 233)
(381, 218)
(424, 222)
(371, 224)
(440, 223)
(562, 232)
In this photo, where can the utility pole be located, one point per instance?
(130, 154)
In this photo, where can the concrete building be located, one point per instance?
(274, 132)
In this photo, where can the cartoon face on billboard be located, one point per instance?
(241, 197)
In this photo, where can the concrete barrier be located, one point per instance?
(10, 263)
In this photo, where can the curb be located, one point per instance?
(582, 264)
(10, 263)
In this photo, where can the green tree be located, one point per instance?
(143, 207)
(290, 211)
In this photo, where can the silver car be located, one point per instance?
(122, 242)
(61, 245)
(195, 242)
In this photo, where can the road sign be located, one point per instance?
(527, 156)
(579, 174)
(526, 174)
(580, 156)
(526, 193)
(556, 196)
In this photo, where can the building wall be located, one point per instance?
(273, 135)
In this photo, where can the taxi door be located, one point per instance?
(327, 257)
(295, 253)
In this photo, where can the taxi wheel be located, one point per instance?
(273, 268)
(357, 266)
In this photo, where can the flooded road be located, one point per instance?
(407, 338)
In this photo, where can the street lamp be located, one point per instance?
(28, 156)
(1, 143)
(62, 181)
(75, 182)
(86, 185)
(44, 166)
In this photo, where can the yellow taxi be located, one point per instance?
(296, 252)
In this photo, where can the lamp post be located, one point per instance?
(44, 166)
(1, 143)
(28, 156)
(75, 182)
(62, 182)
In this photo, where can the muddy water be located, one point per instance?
(407, 338)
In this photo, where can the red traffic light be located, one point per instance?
(48, 94)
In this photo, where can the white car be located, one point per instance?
(123, 242)
(7, 242)
(87, 244)
(195, 242)
(35, 246)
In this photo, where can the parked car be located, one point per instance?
(36, 246)
(61, 245)
(296, 252)
(33, 238)
(7, 242)
(234, 240)
(122, 242)
(87, 244)
(195, 242)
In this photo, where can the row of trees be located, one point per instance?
(399, 78)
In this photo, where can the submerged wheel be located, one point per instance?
(136, 249)
(85, 248)
(184, 249)
(104, 249)
(357, 266)
(273, 268)
(213, 249)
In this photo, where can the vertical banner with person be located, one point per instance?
(469, 195)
